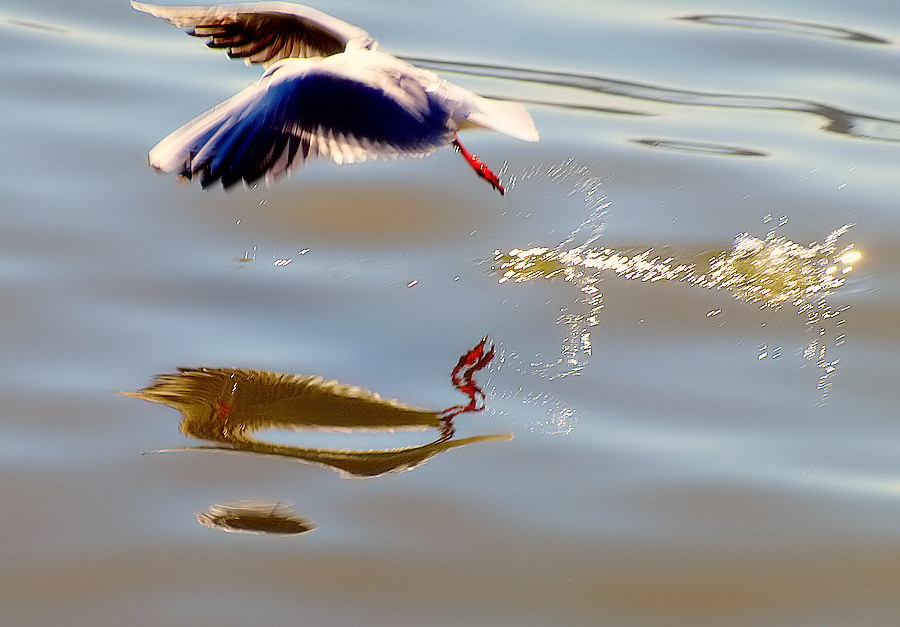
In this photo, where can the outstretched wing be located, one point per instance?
(303, 109)
(265, 32)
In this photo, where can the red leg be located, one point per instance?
(463, 378)
(479, 166)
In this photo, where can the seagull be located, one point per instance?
(327, 90)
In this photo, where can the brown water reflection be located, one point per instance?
(254, 518)
(229, 405)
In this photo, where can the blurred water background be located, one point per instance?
(681, 456)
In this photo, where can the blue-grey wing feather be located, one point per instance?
(316, 113)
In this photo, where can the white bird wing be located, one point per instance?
(342, 108)
(265, 32)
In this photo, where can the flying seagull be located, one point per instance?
(327, 90)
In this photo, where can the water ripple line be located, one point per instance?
(836, 119)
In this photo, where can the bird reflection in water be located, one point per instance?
(254, 518)
(228, 406)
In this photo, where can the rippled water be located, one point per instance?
(686, 451)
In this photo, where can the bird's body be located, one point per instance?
(327, 91)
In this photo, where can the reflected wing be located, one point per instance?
(301, 109)
(256, 518)
(353, 463)
(265, 32)
(227, 404)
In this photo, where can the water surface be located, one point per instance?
(681, 456)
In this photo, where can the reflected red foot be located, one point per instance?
(463, 379)
(222, 410)
(481, 168)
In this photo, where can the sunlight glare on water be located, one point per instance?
(771, 272)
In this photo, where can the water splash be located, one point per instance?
(560, 418)
(770, 271)
(576, 348)
(586, 190)
(774, 270)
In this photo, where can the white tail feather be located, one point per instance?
(509, 118)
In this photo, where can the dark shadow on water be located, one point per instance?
(789, 27)
(34, 25)
(699, 147)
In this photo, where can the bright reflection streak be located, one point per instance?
(576, 348)
(771, 271)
